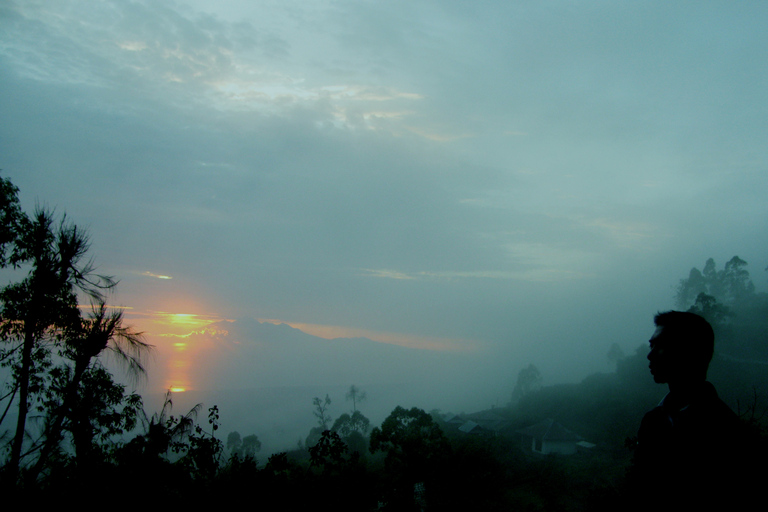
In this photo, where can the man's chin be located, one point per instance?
(659, 379)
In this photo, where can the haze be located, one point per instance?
(488, 184)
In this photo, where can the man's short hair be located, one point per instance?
(690, 332)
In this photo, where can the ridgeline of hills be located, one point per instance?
(261, 354)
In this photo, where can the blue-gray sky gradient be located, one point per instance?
(526, 181)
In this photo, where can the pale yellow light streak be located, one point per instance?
(156, 276)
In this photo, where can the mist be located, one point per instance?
(417, 198)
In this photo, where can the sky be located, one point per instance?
(512, 181)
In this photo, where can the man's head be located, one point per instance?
(681, 347)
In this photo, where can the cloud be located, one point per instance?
(535, 275)
(387, 273)
(156, 276)
(331, 332)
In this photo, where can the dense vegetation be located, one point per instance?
(77, 430)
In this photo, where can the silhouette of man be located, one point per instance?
(687, 446)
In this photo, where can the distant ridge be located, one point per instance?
(246, 353)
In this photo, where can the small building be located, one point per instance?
(470, 427)
(549, 436)
(489, 420)
(454, 420)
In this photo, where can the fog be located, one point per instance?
(418, 198)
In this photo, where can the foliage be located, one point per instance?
(353, 430)
(321, 411)
(729, 285)
(83, 398)
(356, 395)
(528, 380)
(718, 315)
(39, 310)
(244, 448)
(51, 349)
(728, 300)
(164, 433)
(412, 441)
(101, 410)
(347, 424)
(13, 222)
(328, 452)
(204, 451)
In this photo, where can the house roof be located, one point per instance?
(550, 430)
(489, 420)
(454, 419)
(470, 427)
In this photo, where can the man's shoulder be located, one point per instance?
(654, 426)
(710, 400)
(711, 415)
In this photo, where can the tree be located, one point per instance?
(321, 411)
(100, 411)
(529, 379)
(165, 433)
(414, 443)
(353, 429)
(48, 346)
(39, 310)
(85, 390)
(234, 442)
(204, 452)
(244, 448)
(356, 395)
(728, 300)
(729, 286)
(323, 420)
(13, 221)
(717, 314)
(346, 424)
(328, 453)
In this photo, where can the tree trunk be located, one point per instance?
(18, 438)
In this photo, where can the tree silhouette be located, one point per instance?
(38, 311)
(321, 411)
(730, 285)
(346, 424)
(353, 429)
(412, 440)
(83, 343)
(529, 379)
(728, 300)
(51, 349)
(356, 395)
(243, 448)
(13, 221)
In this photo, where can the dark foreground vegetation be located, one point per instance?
(77, 433)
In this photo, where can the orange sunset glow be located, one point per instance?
(185, 342)
(177, 352)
